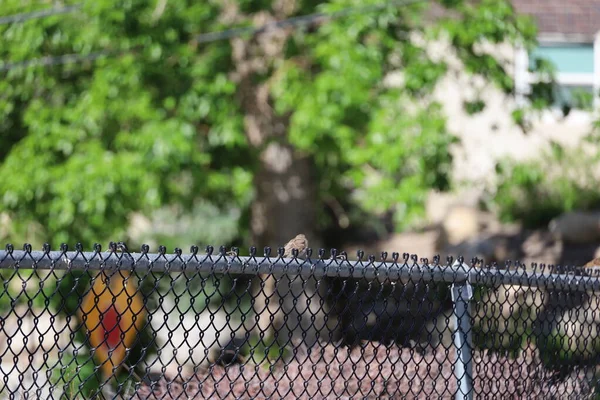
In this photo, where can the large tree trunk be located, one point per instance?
(285, 202)
(285, 206)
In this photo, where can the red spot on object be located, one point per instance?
(111, 325)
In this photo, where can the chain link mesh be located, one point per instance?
(115, 324)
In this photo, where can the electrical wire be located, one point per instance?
(56, 60)
(22, 17)
(210, 37)
(298, 21)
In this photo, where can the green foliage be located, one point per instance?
(481, 24)
(546, 92)
(77, 378)
(99, 140)
(474, 107)
(157, 122)
(536, 191)
(559, 349)
(389, 144)
(155, 125)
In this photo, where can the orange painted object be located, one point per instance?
(113, 314)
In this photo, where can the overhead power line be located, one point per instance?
(217, 36)
(11, 19)
(298, 21)
(57, 60)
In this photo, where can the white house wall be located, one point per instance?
(491, 135)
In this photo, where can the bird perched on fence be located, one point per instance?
(593, 265)
(299, 243)
(264, 310)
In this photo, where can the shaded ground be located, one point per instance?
(377, 371)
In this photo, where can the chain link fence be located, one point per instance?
(120, 324)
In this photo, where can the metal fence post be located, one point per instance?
(462, 293)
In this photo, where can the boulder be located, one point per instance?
(438, 204)
(505, 315)
(460, 224)
(577, 227)
(541, 247)
(569, 327)
(469, 232)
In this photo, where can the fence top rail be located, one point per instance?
(398, 269)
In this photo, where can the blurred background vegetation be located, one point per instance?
(245, 140)
(130, 121)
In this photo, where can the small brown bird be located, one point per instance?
(270, 316)
(592, 267)
(299, 243)
(594, 263)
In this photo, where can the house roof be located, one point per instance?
(566, 17)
